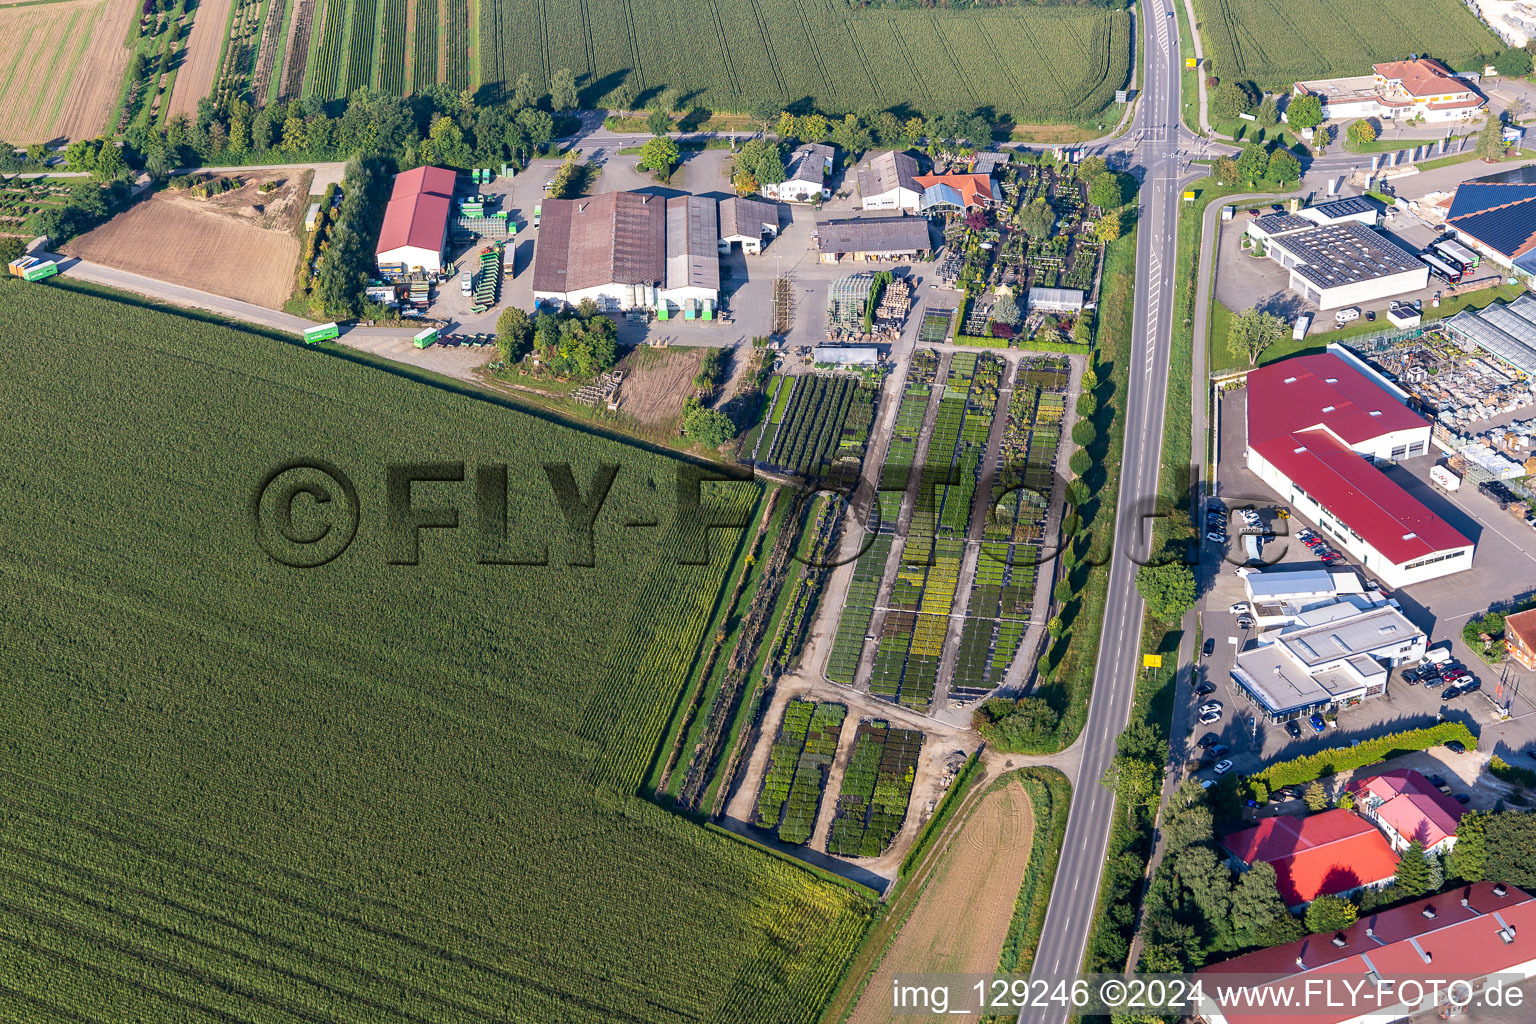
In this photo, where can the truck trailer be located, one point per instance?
(325, 332)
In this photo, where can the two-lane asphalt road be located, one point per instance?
(1156, 135)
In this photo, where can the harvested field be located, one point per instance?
(962, 917)
(61, 66)
(200, 65)
(657, 382)
(226, 246)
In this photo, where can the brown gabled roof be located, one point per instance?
(1423, 76)
(613, 238)
(1523, 625)
(888, 171)
(741, 217)
(873, 234)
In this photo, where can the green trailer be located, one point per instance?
(38, 271)
(325, 332)
(425, 338)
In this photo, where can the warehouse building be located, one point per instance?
(1342, 211)
(1331, 655)
(1310, 419)
(414, 234)
(747, 222)
(888, 181)
(805, 176)
(629, 250)
(872, 238)
(1496, 215)
(1340, 263)
(1471, 932)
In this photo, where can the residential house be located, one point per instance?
(805, 175)
(1520, 638)
(1333, 853)
(1407, 806)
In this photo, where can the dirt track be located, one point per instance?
(201, 66)
(61, 65)
(962, 917)
(215, 249)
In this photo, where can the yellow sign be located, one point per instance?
(1151, 661)
(1189, 197)
(1189, 62)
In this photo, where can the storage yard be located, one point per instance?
(240, 244)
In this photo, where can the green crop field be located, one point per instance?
(1059, 64)
(232, 791)
(1277, 44)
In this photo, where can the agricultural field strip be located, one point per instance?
(372, 815)
(928, 572)
(876, 789)
(1013, 535)
(792, 788)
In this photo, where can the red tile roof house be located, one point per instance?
(415, 229)
(1407, 806)
(1310, 419)
(1473, 932)
(1520, 637)
(1325, 854)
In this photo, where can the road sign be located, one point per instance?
(1189, 197)
(1189, 62)
(1151, 661)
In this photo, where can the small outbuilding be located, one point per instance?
(747, 222)
(1056, 300)
(872, 238)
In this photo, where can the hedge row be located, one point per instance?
(1342, 759)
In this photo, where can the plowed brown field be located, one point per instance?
(201, 65)
(219, 246)
(61, 67)
(962, 917)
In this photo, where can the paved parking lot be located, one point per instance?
(1245, 281)
(1504, 567)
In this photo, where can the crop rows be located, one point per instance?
(298, 49)
(812, 425)
(405, 811)
(424, 45)
(811, 774)
(858, 610)
(901, 453)
(392, 48)
(1038, 63)
(1275, 46)
(266, 56)
(877, 787)
(360, 49)
(458, 45)
(326, 63)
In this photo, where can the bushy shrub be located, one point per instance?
(1340, 759)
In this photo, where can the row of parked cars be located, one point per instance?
(1451, 674)
(1319, 547)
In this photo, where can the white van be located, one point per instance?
(1345, 316)
(1303, 324)
(467, 283)
(1438, 655)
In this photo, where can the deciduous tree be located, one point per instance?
(1304, 112)
(1361, 132)
(660, 154)
(1330, 914)
(1252, 331)
(1283, 166)
(1169, 590)
(562, 90)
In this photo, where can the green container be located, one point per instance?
(325, 332)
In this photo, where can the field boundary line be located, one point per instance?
(906, 53)
(725, 50)
(949, 51)
(773, 58)
(863, 58)
(586, 37)
(634, 46)
(1034, 43)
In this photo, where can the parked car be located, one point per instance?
(1434, 682)
(1204, 689)
(1451, 692)
(1215, 536)
(1462, 798)
(1312, 542)
(1241, 608)
(1222, 767)
(1412, 676)
(1294, 729)
(1348, 315)
(1468, 685)
(1210, 739)
(1209, 648)
(1455, 747)
(1210, 718)
(1209, 706)
(1244, 622)
(1317, 723)
(1220, 750)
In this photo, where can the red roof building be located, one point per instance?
(1520, 637)
(1472, 932)
(1310, 419)
(415, 229)
(1407, 806)
(975, 189)
(1320, 855)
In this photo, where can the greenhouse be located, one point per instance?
(847, 300)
